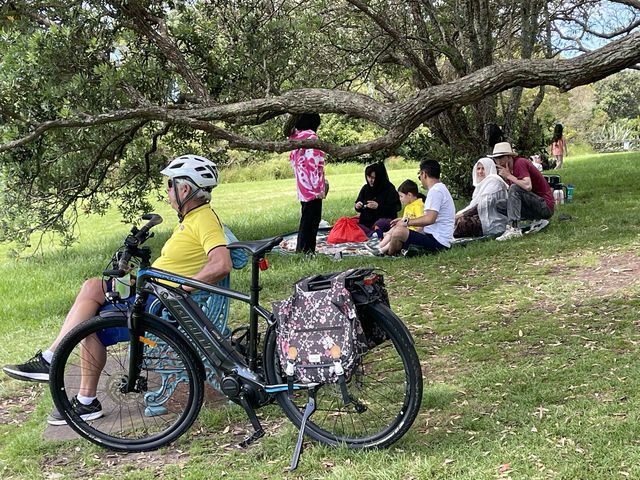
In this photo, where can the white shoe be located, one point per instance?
(537, 225)
(509, 233)
(324, 224)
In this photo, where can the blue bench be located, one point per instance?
(216, 308)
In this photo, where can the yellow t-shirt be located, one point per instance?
(185, 253)
(414, 210)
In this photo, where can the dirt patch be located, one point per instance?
(216, 442)
(616, 271)
(18, 408)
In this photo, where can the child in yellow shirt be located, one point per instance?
(413, 201)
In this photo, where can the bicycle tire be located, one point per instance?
(126, 424)
(387, 386)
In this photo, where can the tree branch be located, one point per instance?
(37, 17)
(398, 120)
(160, 37)
(581, 70)
(429, 75)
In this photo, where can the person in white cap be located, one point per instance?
(529, 196)
(192, 250)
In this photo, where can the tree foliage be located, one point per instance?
(95, 94)
(619, 95)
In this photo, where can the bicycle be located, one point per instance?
(386, 388)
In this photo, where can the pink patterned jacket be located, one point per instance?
(308, 166)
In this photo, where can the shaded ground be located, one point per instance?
(18, 408)
(212, 443)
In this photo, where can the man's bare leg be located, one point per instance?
(93, 357)
(93, 354)
(399, 235)
(89, 300)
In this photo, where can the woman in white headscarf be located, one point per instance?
(480, 217)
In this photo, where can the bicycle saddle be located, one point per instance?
(256, 247)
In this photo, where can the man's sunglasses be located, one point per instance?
(170, 183)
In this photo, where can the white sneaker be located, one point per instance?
(537, 225)
(509, 233)
(324, 224)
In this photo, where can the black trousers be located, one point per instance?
(309, 221)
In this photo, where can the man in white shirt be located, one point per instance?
(436, 225)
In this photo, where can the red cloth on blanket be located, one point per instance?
(346, 230)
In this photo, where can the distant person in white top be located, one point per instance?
(537, 162)
(436, 225)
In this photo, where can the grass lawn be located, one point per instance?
(529, 347)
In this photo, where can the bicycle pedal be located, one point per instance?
(252, 438)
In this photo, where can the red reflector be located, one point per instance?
(264, 264)
(371, 279)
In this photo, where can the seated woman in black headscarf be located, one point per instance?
(378, 201)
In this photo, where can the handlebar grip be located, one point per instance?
(154, 219)
(114, 273)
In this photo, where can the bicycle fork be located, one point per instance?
(136, 346)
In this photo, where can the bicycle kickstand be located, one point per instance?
(309, 409)
(258, 430)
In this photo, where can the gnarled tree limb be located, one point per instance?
(399, 120)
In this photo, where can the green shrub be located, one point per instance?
(456, 169)
(274, 168)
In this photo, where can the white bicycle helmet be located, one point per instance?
(201, 171)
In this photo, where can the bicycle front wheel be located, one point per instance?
(386, 391)
(168, 391)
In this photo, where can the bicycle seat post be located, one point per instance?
(253, 315)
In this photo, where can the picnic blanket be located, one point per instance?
(368, 248)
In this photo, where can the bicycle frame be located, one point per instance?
(201, 332)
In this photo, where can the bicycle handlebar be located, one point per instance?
(114, 273)
(131, 244)
(154, 219)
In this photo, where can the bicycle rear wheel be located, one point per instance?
(386, 390)
(170, 386)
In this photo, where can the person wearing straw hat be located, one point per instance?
(529, 197)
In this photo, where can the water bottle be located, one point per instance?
(561, 196)
(123, 286)
(569, 193)
(556, 197)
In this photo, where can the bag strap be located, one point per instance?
(337, 363)
(332, 279)
(290, 370)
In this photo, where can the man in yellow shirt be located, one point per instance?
(195, 249)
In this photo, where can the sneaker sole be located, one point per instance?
(87, 417)
(29, 377)
(536, 230)
(500, 239)
(374, 250)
